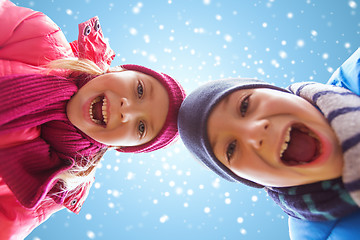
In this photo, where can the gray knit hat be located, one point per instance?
(193, 117)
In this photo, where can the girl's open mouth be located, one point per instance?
(301, 146)
(98, 110)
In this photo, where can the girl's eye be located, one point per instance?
(230, 150)
(141, 129)
(244, 106)
(140, 89)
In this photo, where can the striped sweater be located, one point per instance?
(334, 198)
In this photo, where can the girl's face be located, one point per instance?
(273, 138)
(125, 108)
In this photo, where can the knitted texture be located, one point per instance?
(193, 118)
(341, 108)
(169, 132)
(36, 100)
(328, 200)
(319, 201)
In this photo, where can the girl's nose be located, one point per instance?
(125, 110)
(257, 132)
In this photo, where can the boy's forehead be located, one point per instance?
(236, 95)
(230, 95)
(226, 99)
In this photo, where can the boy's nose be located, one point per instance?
(256, 132)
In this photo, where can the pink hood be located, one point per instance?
(24, 30)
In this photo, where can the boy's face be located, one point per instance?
(273, 138)
(125, 108)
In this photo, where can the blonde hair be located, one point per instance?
(83, 171)
(84, 168)
(69, 66)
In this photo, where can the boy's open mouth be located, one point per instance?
(98, 110)
(301, 146)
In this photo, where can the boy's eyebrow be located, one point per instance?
(223, 104)
(212, 143)
(220, 154)
(225, 100)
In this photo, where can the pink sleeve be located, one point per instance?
(18, 137)
(28, 40)
(16, 222)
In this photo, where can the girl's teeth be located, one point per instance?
(91, 108)
(104, 112)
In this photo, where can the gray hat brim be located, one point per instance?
(193, 118)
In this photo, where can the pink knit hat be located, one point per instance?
(169, 131)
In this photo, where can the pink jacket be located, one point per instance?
(29, 40)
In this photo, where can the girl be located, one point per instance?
(300, 144)
(56, 127)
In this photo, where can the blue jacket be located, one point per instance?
(347, 76)
(345, 228)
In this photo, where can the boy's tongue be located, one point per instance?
(301, 148)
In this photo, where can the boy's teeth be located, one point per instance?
(285, 144)
(287, 136)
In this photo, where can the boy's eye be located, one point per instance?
(141, 128)
(140, 89)
(244, 106)
(230, 150)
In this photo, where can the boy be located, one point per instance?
(300, 144)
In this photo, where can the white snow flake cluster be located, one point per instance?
(167, 192)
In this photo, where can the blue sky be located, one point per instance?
(167, 194)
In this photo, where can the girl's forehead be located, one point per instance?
(143, 75)
(129, 74)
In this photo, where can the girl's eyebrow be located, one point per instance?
(150, 94)
(151, 128)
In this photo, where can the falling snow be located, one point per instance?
(167, 193)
